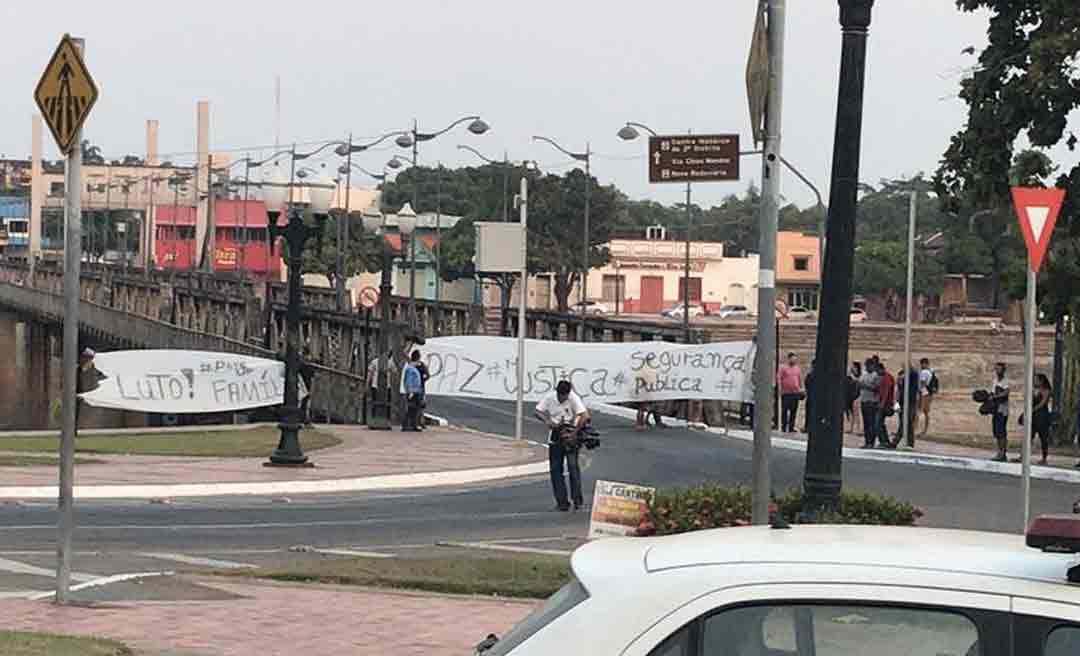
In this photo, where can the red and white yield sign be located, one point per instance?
(1037, 209)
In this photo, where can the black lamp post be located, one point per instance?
(296, 233)
(824, 454)
(380, 416)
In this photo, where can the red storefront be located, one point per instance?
(240, 238)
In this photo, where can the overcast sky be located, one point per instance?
(573, 71)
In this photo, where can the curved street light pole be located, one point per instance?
(581, 157)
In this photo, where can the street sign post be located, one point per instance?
(65, 94)
(1037, 210)
(694, 158)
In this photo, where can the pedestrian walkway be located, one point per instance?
(270, 619)
(431, 456)
(928, 452)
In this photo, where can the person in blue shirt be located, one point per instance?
(414, 390)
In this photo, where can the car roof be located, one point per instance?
(921, 555)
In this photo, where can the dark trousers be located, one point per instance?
(746, 414)
(1041, 428)
(556, 454)
(910, 409)
(789, 408)
(412, 410)
(869, 422)
(883, 428)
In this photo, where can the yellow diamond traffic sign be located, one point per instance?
(66, 93)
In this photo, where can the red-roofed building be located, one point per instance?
(240, 238)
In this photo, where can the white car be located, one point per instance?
(733, 312)
(799, 313)
(813, 591)
(857, 315)
(676, 311)
(590, 308)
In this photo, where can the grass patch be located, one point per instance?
(533, 577)
(252, 442)
(19, 460)
(17, 643)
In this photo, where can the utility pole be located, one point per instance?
(72, 270)
(765, 373)
(908, 414)
(519, 418)
(686, 274)
(824, 464)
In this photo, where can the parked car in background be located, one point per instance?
(799, 313)
(858, 315)
(590, 308)
(733, 312)
(676, 311)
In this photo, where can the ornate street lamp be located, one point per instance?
(295, 233)
(585, 157)
(374, 223)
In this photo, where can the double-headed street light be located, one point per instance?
(374, 223)
(587, 158)
(296, 232)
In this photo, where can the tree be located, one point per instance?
(91, 154)
(1022, 87)
(881, 267)
(556, 228)
(320, 253)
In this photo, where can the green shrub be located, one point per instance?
(714, 506)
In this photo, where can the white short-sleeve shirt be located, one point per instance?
(563, 412)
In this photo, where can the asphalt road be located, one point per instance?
(517, 509)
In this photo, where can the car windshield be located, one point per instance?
(557, 605)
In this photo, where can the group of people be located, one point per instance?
(877, 394)
(997, 406)
(411, 388)
(873, 392)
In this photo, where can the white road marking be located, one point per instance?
(15, 567)
(19, 594)
(342, 552)
(106, 580)
(269, 525)
(364, 484)
(196, 560)
(504, 547)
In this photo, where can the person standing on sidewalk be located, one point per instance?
(414, 389)
(869, 385)
(424, 375)
(928, 388)
(87, 379)
(886, 402)
(558, 410)
(789, 378)
(999, 394)
(809, 418)
(909, 401)
(1041, 422)
(851, 410)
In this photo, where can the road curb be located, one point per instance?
(330, 486)
(902, 457)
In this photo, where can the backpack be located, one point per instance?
(934, 385)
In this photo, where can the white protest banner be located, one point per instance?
(618, 509)
(615, 372)
(182, 382)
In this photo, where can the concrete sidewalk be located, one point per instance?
(365, 460)
(268, 619)
(927, 452)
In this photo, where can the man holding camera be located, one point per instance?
(565, 415)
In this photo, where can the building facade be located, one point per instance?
(798, 270)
